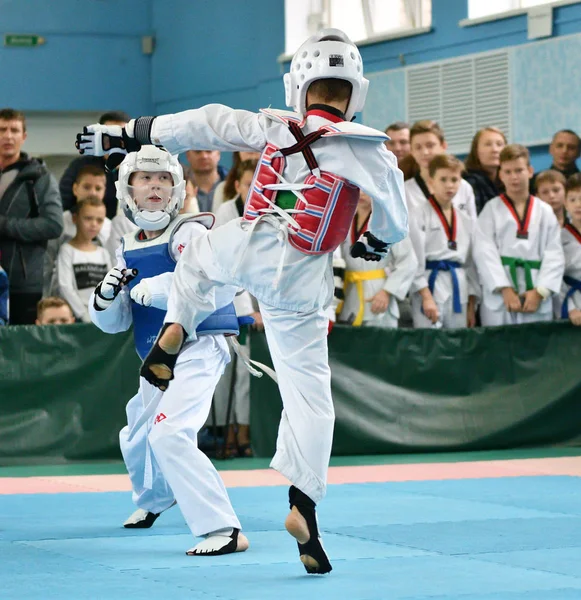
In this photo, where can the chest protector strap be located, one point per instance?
(325, 203)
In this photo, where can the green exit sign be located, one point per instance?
(23, 40)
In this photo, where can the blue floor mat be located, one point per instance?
(489, 539)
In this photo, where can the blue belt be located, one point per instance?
(574, 286)
(435, 266)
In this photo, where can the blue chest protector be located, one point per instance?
(151, 258)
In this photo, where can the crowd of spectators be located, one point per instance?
(58, 240)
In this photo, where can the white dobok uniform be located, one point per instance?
(449, 265)
(463, 200)
(363, 279)
(293, 288)
(571, 289)
(506, 258)
(176, 469)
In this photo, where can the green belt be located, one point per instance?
(286, 200)
(527, 265)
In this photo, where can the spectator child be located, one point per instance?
(517, 248)
(114, 117)
(371, 289)
(571, 238)
(54, 311)
(551, 187)
(90, 183)
(427, 141)
(81, 264)
(445, 288)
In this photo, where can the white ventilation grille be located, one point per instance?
(462, 95)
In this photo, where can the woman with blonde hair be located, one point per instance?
(482, 164)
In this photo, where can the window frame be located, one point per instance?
(516, 12)
(376, 39)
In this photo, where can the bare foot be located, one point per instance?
(296, 525)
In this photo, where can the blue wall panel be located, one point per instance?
(546, 88)
(224, 53)
(91, 60)
(386, 99)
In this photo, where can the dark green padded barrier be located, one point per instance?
(402, 391)
(63, 391)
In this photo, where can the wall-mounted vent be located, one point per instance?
(463, 95)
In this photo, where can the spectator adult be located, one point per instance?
(565, 148)
(399, 144)
(54, 311)
(482, 164)
(30, 215)
(227, 189)
(208, 174)
(69, 177)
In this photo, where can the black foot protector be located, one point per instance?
(141, 519)
(216, 545)
(313, 548)
(158, 356)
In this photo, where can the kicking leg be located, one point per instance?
(298, 347)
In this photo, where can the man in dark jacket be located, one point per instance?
(115, 117)
(30, 215)
(565, 149)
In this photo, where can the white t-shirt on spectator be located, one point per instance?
(53, 247)
(78, 273)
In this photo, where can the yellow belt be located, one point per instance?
(358, 277)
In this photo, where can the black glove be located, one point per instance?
(368, 247)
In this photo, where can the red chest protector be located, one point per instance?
(327, 204)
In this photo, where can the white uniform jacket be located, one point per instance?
(496, 238)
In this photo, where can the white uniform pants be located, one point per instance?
(175, 463)
(448, 318)
(491, 317)
(298, 347)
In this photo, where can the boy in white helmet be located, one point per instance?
(301, 203)
(151, 190)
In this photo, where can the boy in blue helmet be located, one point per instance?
(159, 443)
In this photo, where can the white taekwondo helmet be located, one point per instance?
(327, 54)
(151, 159)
